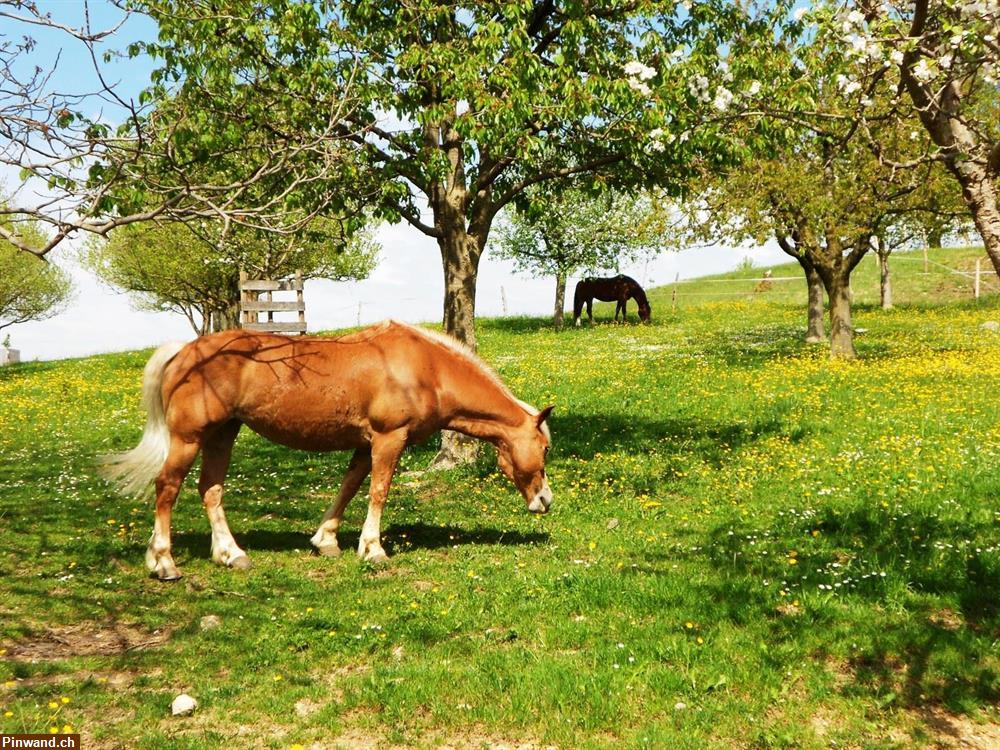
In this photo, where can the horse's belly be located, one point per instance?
(310, 418)
(310, 436)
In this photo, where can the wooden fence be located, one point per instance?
(257, 297)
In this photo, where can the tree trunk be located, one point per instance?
(460, 253)
(935, 237)
(838, 290)
(814, 306)
(227, 318)
(967, 155)
(460, 257)
(814, 332)
(885, 280)
(560, 310)
(983, 199)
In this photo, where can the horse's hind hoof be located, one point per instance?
(167, 577)
(240, 563)
(330, 550)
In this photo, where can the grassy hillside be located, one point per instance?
(949, 277)
(751, 546)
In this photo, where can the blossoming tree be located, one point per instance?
(943, 58)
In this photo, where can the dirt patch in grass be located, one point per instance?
(116, 679)
(946, 619)
(959, 732)
(87, 639)
(488, 742)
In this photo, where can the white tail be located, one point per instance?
(133, 471)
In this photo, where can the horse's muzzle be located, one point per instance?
(542, 501)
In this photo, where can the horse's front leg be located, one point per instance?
(215, 456)
(325, 538)
(386, 450)
(620, 308)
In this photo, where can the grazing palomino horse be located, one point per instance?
(375, 391)
(618, 289)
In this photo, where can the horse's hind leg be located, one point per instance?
(590, 310)
(179, 459)
(386, 450)
(620, 308)
(215, 456)
(325, 538)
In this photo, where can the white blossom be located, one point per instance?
(637, 85)
(847, 85)
(636, 69)
(723, 98)
(800, 13)
(896, 56)
(754, 88)
(922, 71)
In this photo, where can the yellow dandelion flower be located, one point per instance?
(64, 700)
(53, 704)
(67, 729)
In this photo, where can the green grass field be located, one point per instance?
(751, 546)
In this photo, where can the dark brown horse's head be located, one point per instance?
(645, 311)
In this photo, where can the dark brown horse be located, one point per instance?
(618, 289)
(373, 392)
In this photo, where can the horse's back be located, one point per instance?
(307, 392)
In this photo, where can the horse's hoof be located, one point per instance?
(240, 563)
(330, 550)
(377, 558)
(170, 577)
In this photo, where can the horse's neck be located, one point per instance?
(483, 408)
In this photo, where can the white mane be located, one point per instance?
(466, 353)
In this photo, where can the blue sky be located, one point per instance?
(407, 284)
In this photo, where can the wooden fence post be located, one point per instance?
(257, 296)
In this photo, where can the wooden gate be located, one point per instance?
(257, 297)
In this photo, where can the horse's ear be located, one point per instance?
(544, 415)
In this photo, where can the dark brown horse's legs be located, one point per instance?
(325, 538)
(179, 459)
(215, 455)
(386, 450)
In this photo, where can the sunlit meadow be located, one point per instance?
(750, 546)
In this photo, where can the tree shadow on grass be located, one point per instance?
(584, 435)
(931, 645)
(758, 345)
(409, 536)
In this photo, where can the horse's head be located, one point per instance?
(521, 456)
(645, 311)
